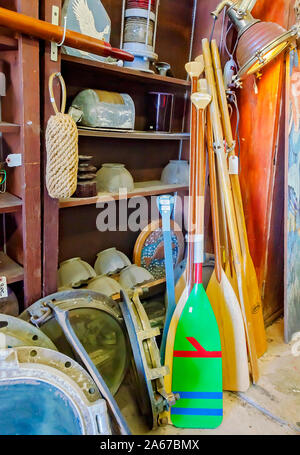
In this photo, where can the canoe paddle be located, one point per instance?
(245, 303)
(249, 270)
(194, 70)
(197, 346)
(166, 206)
(223, 299)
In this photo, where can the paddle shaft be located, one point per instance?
(199, 196)
(229, 206)
(214, 200)
(192, 195)
(166, 206)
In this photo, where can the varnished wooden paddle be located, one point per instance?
(244, 300)
(247, 263)
(224, 300)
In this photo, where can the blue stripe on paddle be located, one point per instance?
(196, 412)
(201, 395)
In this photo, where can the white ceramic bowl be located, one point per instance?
(74, 272)
(110, 261)
(133, 276)
(113, 176)
(105, 285)
(176, 173)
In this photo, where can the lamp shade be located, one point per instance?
(259, 44)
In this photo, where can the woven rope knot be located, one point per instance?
(62, 153)
(62, 156)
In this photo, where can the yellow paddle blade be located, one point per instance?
(229, 317)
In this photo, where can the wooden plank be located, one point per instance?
(89, 132)
(9, 127)
(29, 111)
(50, 206)
(259, 158)
(10, 269)
(125, 73)
(9, 203)
(8, 43)
(141, 189)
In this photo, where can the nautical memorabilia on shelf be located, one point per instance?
(138, 32)
(149, 248)
(103, 109)
(90, 18)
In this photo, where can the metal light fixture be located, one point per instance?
(138, 32)
(258, 42)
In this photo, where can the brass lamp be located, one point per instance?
(258, 42)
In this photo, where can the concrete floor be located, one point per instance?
(272, 407)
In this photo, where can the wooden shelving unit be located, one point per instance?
(8, 43)
(142, 135)
(73, 232)
(10, 269)
(74, 63)
(9, 127)
(10, 203)
(20, 206)
(144, 189)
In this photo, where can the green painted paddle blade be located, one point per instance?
(197, 365)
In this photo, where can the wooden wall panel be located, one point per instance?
(261, 168)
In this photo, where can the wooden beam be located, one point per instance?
(28, 67)
(50, 206)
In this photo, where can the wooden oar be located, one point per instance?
(230, 211)
(194, 70)
(224, 301)
(197, 357)
(249, 270)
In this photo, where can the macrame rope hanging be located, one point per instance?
(62, 148)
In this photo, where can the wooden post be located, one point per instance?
(50, 206)
(28, 64)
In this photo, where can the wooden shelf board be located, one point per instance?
(133, 134)
(9, 127)
(127, 73)
(8, 43)
(9, 203)
(9, 268)
(150, 188)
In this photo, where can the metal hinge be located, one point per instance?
(55, 21)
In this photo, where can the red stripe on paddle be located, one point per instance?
(198, 273)
(200, 352)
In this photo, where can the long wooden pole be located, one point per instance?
(49, 32)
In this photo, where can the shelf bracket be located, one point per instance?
(55, 21)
